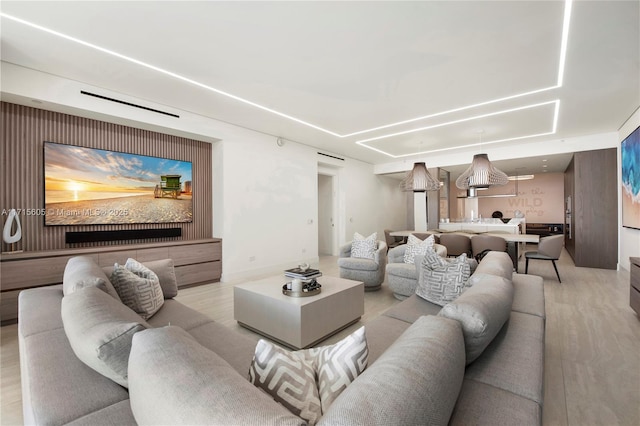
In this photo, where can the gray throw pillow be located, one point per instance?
(364, 248)
(174, 380)
(307, 382)
(441, 281)
(99, 329)
(138, 288)
(165, 271)
(481, 310)
(81, 272)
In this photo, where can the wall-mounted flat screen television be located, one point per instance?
(87, 186)
(630, 163)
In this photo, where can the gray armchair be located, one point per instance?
(403, 277)
(369, 271)
(549, 248)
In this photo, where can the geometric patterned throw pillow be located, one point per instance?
(364, 248)
(416, 246)
(441, 281)
(306, 382)
(138, 287)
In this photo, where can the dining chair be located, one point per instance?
(479, 243)
(549, 248)
(456, 244)
(391, 240)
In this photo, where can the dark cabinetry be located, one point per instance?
(591, 231)
(634, 278)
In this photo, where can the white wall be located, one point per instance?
(265, 203)
(629, 239)
(270, 205)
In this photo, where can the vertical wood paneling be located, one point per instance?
(24, 131)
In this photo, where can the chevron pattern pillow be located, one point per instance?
(442, 281)
(416, 246)
(364, 247)
(308, 381)
(138, 287)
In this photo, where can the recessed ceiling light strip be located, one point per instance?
(568, 5)
(551, 132)
(563, 51)
(166, 72)
(462, 120)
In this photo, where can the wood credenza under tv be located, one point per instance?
(196, 262)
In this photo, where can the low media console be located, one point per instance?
(196, 262)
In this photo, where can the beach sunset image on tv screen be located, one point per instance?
(630, 161)
(86, 186)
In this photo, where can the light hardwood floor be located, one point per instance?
(592, 355)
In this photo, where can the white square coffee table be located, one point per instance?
(298, 322)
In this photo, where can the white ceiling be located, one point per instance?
(328, 74)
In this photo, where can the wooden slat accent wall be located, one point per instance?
(24, 131)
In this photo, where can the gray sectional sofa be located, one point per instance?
(478, 360)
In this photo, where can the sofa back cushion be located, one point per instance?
(415, 381)
(100, 329)
(176, 381)
(495, 263)
(81, 272)
(481, 310)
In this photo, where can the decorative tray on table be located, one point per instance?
(309, 288)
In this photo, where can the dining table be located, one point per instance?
(513, 240)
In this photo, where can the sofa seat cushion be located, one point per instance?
(514, 361)
(381, 333)
(528, 295)
(414, 382)
(41, 309)
(100, 329)
(175, 313)
(116, 414)
(488, 405)
(83, 271)
(83, 390)
(195, 386)
(411, 309)
(357, 264)
(235, 346)
(482, 310)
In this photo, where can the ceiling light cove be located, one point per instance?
(477, 115)
(523, 122)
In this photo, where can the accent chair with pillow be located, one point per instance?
(364, 259)
(401, 271)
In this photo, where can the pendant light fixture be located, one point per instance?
(419, 180)
(481, 174)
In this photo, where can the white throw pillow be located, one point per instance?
(306, 382)
(416, 246)
(441, 281)
(364, 248)
(138, 287)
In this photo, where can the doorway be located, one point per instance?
(326, 218)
